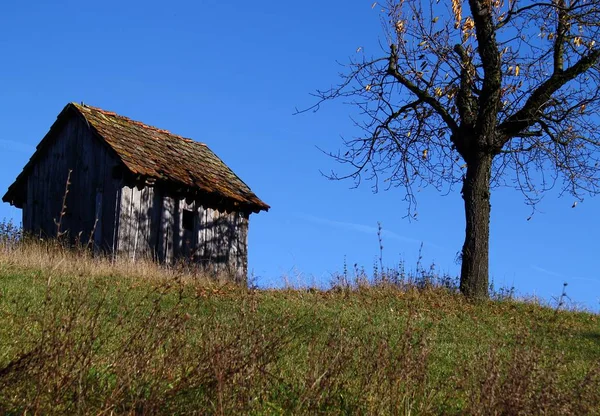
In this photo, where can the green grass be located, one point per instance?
(78, 341)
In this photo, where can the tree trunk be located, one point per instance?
(474, 274)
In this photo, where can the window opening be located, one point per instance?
(188, 220)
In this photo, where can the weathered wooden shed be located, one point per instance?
(137, 191)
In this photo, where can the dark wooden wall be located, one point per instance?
(92, 193)
(151, 224)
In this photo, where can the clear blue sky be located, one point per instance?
(230, 74)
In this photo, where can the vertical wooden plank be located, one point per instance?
(125, 221)
(230, 242)
(66, 143)
(26, 214)
(209, 244)
(237, 258)
(218, 238)
(42, 186)
(37, 208)
(123, 230)
(112, 198)
(97, 169)
(205, 236)
(233, 244)
(93, 155)
(188, 239)
(88, 156)
(74, 200)
(161, 240)
(223, 241)
(86, 198)
(181, 230)
(155, 223)
(149, 215)
(166, 237)
(199, 233)
(232, 248)
(144, 222)
(36, 202)
(78, 178)
(55, 153)
(192, 234)
(66, 149)
(132, 223)
(139, 222)
(206, 232)
(145, 212)
(52, 209)
(243, 248)
(135, 220)
(110, 221)
(31, 205)
(216, 241)
(116, 228)
(177, 229)
(25, 217)
(54, 196)
(98, 220)
(43, 179)
(171, 230)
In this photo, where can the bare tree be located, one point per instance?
(500, 93)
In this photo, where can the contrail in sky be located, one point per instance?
(16, 146)
(561, 276)
(366, 229)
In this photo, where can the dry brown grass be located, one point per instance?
(81, 334)
(56, 259)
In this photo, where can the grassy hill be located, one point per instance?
(85, 336)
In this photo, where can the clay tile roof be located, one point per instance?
(151, 152)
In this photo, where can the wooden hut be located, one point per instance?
(135, 190)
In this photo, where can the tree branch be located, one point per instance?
(421, 94)
(561, 33)
(529, 114)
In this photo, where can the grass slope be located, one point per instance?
(85, 336)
